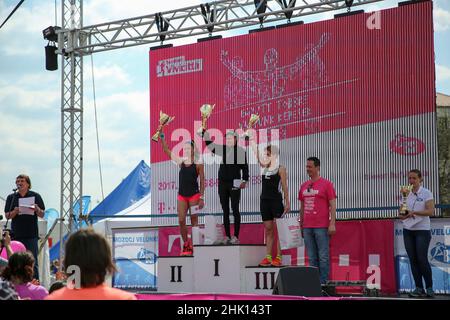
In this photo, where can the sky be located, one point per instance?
(30, 109)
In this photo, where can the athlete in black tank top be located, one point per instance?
(271, 203)
(190, 191)
(271, 185)
(188, 178)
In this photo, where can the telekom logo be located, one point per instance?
(178, 65)
(407, 146)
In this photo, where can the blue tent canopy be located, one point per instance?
(50, 215)
(54, 251)
(133, 188)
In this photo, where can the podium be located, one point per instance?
(176, 274)
(260, 280)
(221, 269)
(213, 269)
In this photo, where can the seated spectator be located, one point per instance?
(3, 264)
(90, 254)
(55, 266)
(5, 245)
(56, 286)
(20, 273)
(7, 291)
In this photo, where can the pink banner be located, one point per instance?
(170, 239)
(304, 79)
(358, 244)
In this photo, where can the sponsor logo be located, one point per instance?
(147, 256)
(310, 192)
(440, 253)
(178, 65)
(407, 146)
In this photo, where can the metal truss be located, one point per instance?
(200, 19)
(71, 116)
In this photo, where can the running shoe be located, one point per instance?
(429, 292)
(417, 293)
(266, 262)
(186, 250)
(277, 262)
(234, 240)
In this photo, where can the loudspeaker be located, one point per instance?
(298, 281)
(51, 58)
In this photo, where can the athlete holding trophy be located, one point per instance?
(233, 174)
(191, 181)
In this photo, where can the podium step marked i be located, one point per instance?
(221, 269)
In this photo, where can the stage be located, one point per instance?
(255, 297)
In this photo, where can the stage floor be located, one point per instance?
(225, 296)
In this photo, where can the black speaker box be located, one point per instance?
(298, 281)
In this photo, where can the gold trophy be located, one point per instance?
(254, 118)
(405, 191)
(206, 111)
(164, 120)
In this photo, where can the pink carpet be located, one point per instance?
(224, 296)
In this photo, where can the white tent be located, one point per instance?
(141, 207)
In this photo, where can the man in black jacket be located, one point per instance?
(233, 176)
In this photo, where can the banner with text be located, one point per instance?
(135, 253)
(358, 95)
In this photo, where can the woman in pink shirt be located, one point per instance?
(20, 273)
(89, 254)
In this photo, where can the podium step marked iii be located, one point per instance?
(260, 280)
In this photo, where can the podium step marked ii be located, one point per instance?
(214, 269)
(176, 274)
